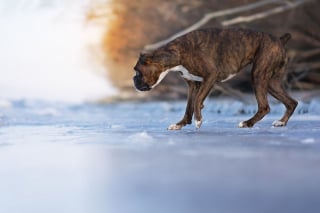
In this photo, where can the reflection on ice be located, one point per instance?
(120, 158)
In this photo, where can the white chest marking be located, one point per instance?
(229, 77)
(185, 74)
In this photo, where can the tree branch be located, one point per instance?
(287, 5)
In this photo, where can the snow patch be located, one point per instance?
(140, 137)
(4, 104)
(315, 106)
(308, 141)
(49, 111)
(117, 126)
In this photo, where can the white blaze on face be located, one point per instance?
(185, 74)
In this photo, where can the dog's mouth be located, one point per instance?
(143, 88)
(140, 85)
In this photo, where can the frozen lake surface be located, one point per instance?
(119, 158)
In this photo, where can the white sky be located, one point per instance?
(44, 53)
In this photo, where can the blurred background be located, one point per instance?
(135, 24)
(49, 51)
(85, 50)
(119, 158)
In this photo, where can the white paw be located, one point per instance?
(198, 124)
(174, 127)
(278, 123)
(241, 124)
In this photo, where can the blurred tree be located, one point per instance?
(135, 24)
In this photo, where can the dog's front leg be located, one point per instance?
(193, 87)
(204, 91)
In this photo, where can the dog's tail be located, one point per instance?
(285, 38)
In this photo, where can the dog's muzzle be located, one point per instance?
(140, 84)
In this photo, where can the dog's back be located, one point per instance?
(229, 49)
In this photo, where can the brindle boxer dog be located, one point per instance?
(206, 56)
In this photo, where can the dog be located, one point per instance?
(206, 56)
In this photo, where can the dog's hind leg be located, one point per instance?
(261, 74)
(276, 89)
(263, 107)
(193, 87)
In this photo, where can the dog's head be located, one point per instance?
(147, 72)
(149, 69)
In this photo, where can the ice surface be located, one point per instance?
(119, 158)
(308, 140)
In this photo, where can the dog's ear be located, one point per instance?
(158, 57)
(145, 58)
(167, 56)
(162, 57)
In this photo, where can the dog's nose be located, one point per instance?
(136, 80)
(139, 84)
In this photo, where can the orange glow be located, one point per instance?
(128, 27)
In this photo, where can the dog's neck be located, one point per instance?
(169, 54)
(184, 73)
(173, 64)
